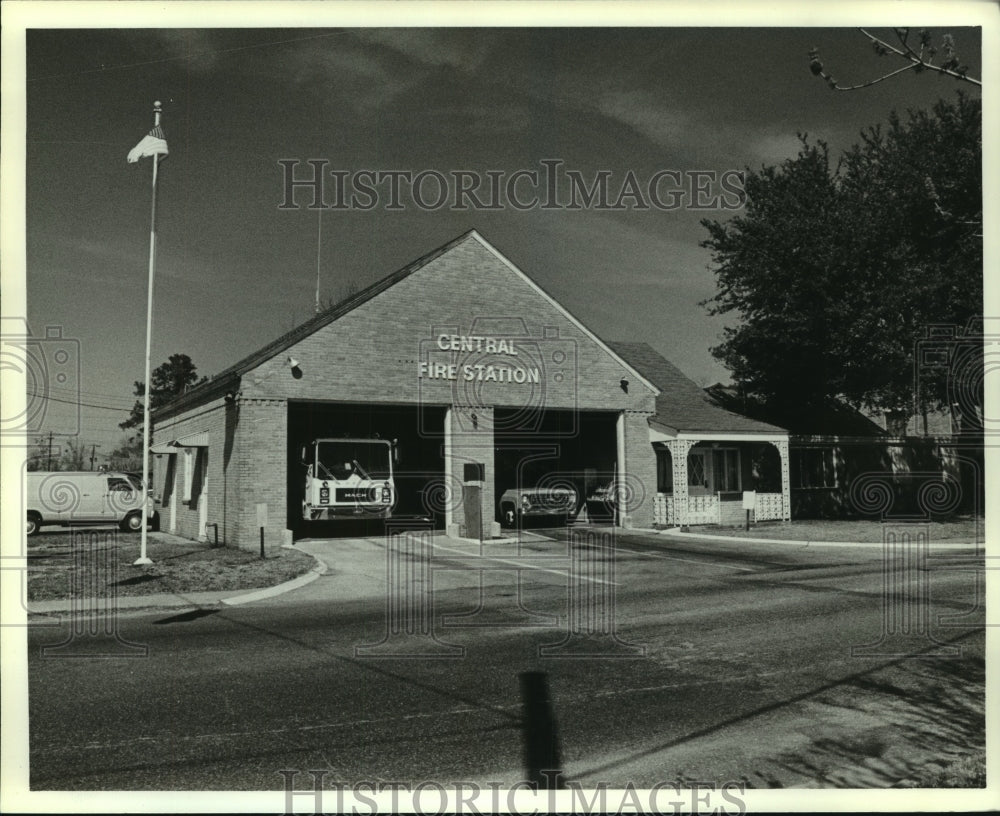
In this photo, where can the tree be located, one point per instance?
(73, 455)
(918, 57)
(128, 455)
(42, 456)
(169, 380)
(836, 271)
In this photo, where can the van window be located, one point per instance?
(120, 485)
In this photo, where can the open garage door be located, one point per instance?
(554, 467)
(417, 438)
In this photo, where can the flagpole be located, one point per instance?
(143, 558)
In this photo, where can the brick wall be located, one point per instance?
(261, 472)
(640, 471)
(371, 355)
(211, 418)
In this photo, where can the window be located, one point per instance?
(696, 470)
(169, 481)
(664, 472)
(188, 473)
(116, 484)
(814, 467)
(725, 470)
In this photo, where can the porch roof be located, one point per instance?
(682, 405)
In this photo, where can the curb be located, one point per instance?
(281, 589)
(173, 603)
(674, 532)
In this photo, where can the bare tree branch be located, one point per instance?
(915, 60)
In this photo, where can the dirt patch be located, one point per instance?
(97, 563)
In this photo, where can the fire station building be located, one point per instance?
(484, 387)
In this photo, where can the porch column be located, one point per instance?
(679, 455)
(450, 527)
(786, 490)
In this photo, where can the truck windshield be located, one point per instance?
(341, 460)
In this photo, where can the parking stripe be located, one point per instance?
(687, 560)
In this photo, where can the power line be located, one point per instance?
(63, 389)
(79, 403)
(75, 399)
(69, 389)
(105, 434)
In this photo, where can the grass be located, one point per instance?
(965, 772)
(958, 529)
(99, 562)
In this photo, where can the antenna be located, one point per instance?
(319, 247)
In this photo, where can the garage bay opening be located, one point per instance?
(554, 467)
(351, 467)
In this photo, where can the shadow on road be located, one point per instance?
(936, 704)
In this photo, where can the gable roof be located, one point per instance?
(682, 404)
(227, 378)
(830, 418)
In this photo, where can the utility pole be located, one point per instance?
(93, 449)
(50, 450)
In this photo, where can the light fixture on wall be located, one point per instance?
(624, 385)
(293, 364)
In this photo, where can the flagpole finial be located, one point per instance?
(157, 110)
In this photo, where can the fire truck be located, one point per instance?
(348, 478)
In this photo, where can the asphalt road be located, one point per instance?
(663, 660)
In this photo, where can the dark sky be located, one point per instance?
(235, 271)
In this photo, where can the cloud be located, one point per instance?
(431, 47)
(647, 115)
(772, 148)
(113, 260)
(344, 73)
(195, 46)
(369, 70)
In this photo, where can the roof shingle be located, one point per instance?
(682, 404)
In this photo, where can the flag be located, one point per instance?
(153, 144)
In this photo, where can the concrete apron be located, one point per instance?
(362, 568)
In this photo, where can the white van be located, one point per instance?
(85, 497)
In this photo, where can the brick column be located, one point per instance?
(263, 472)
(637, 488)
(469, 438)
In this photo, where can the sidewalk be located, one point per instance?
(675, 532)
(163, 600)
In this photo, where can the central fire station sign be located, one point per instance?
(475, 356)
